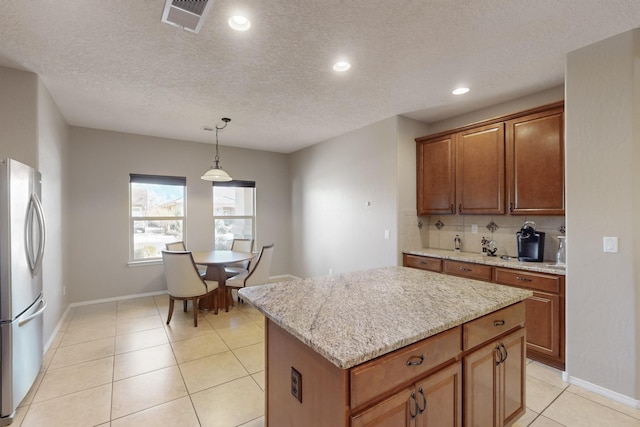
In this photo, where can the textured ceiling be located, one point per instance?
(112, 64)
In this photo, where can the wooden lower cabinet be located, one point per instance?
(494, 377)
(432, 402)
(545, 309)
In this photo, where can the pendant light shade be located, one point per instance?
(216, 173)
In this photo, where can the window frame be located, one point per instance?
(156, 180)
(235, 184)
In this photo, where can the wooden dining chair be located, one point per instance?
(179, 246)
(258, 273)
(185, 284)
(240, 245)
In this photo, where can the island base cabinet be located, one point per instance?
(494, 377)
(435, 401)
(323, 387)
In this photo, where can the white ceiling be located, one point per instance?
(112, 64)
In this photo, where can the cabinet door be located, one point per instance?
(512, 377)
(400, 410)
(481, 387)
(543, 323)
(494, 378)
(435, 173)
(480, 170)
(535, 164)
(440, 398)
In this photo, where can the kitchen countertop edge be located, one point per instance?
(540, 267)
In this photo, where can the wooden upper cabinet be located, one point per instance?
(535, 163)
(436, 176)
(480, 170)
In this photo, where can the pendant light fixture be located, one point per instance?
(216, 173)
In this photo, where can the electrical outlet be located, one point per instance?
(330, 271)
(296, 384)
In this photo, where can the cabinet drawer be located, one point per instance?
(378, 376)
(536, 281)
(467, 269)
(488, 327)
(423, 263)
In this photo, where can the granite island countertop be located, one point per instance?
(355, 317)
(540, 267)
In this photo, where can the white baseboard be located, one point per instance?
(609, 394)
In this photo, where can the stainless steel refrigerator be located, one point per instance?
(22, 238)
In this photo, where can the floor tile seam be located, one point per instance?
(240, 361)
(85, 342)
(549, 405)
(51, 369)
(255, 381)
(94, 386)
(201, 357)
(145, 372)
(123, 333)
(111, 419)
(119, 380)
(250, 421)
(142, 348)
(222, 383)
(604, 405)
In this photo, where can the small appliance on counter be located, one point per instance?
(530, 243)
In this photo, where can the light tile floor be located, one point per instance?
(117, 364)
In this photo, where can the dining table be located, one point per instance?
(215, 261)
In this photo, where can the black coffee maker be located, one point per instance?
(530, 243)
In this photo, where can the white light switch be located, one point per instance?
(610, 244)
(474, 228)
(387, 234)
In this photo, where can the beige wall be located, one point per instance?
(344, 197)
(33, 131)
(100, 164)
(603, 199)
(19, 116)
(53, 136)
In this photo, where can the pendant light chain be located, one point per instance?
(217, 159)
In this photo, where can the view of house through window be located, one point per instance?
(157, 214)
(233, 212)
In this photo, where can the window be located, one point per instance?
(233, 212)
(157, 214)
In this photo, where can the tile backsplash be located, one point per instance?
(438, 231)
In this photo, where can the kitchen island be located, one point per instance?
(387, 347)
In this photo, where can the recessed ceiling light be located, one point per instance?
(239, 23)
(460, 91)
(341, 66)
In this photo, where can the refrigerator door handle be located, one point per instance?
(27, 319)
(35, 212)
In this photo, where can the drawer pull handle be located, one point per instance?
(498, 323)
(415, 361)
(464, 269)
(523, 279)
(499, 354)
(415, 405)
(506, 354)
(421, 262)
(424, 401)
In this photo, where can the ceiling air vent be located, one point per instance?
(186, 14)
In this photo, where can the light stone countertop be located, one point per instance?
(354, 317)
(540, 267)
